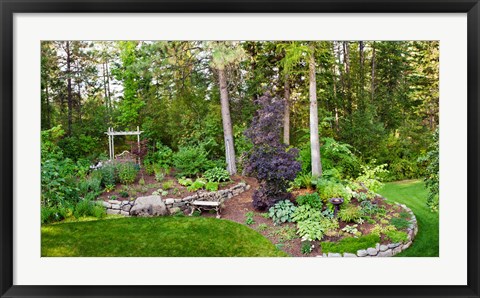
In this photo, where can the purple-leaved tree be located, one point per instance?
(270, 161)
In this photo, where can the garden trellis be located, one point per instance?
(111, 135)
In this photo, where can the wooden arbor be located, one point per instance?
(111, 134)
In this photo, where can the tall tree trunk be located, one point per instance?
(286, 113)
(361, 86)
(69, 89)
(314, 137)
(227, 124)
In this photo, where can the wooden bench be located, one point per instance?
(206, 205)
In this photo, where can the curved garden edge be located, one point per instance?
(387, 250)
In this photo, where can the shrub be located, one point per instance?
(109, 174)
(127, 173)
(274, 166)
(349, 213)
(190, 161)
(313, 200)
(281, 212)
(372, 176)
(211, 186)
(53, 214)
(91, 184)
(217, 175)
(123, 194)
(396, 236)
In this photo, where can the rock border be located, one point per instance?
(382, 250)
(178, 205)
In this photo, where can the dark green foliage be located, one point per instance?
(86, 208)
(369, 208)
(123, 194)
(160, 156)
(249, 218)
(217, 175)
(127, 173)
(108, 174)
(400, 223)
(432, 159)
(350, 244)
(306, 247)
(313, 200)
(191, 161)
(53, 214)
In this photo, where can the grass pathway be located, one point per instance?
(155, 237)
(414, 194)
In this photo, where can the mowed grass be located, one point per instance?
(414, 194)
(155, 237)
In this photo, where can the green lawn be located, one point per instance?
(155, 237)
(414, 194)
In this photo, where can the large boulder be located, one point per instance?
(149, 206)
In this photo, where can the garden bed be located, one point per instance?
(340, 243)
(150, 185)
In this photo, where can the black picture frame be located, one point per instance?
(9, 7)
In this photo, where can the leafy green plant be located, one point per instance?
(127, 173)
(167, 185)
(211, 186)
(159, 174)
(313, 200)
(315, 230)
(371, 177)
(123, 194)
(216, 175)
(113, 197)
(109, 187)
(379, 229)
(432, 183)
(262, 227)
(350, 213)
(249, 218)
(281, 212)
(328, 189)
(306, 212)
(303, 181)
(369, 208)
(306, 248)
(396, 236)
(86, 208)
(400, 223)
(185, 181)
(198, 184)
(351, 229)
(108, 174)
(360, 196)
(141, 181)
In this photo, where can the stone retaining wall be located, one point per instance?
(177, 205)
(387, 250)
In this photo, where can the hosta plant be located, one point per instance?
(217, 175)
(281, 212)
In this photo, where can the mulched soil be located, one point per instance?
(177, 191)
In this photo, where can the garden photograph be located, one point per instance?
(239, 148)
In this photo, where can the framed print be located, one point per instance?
(236, 148)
